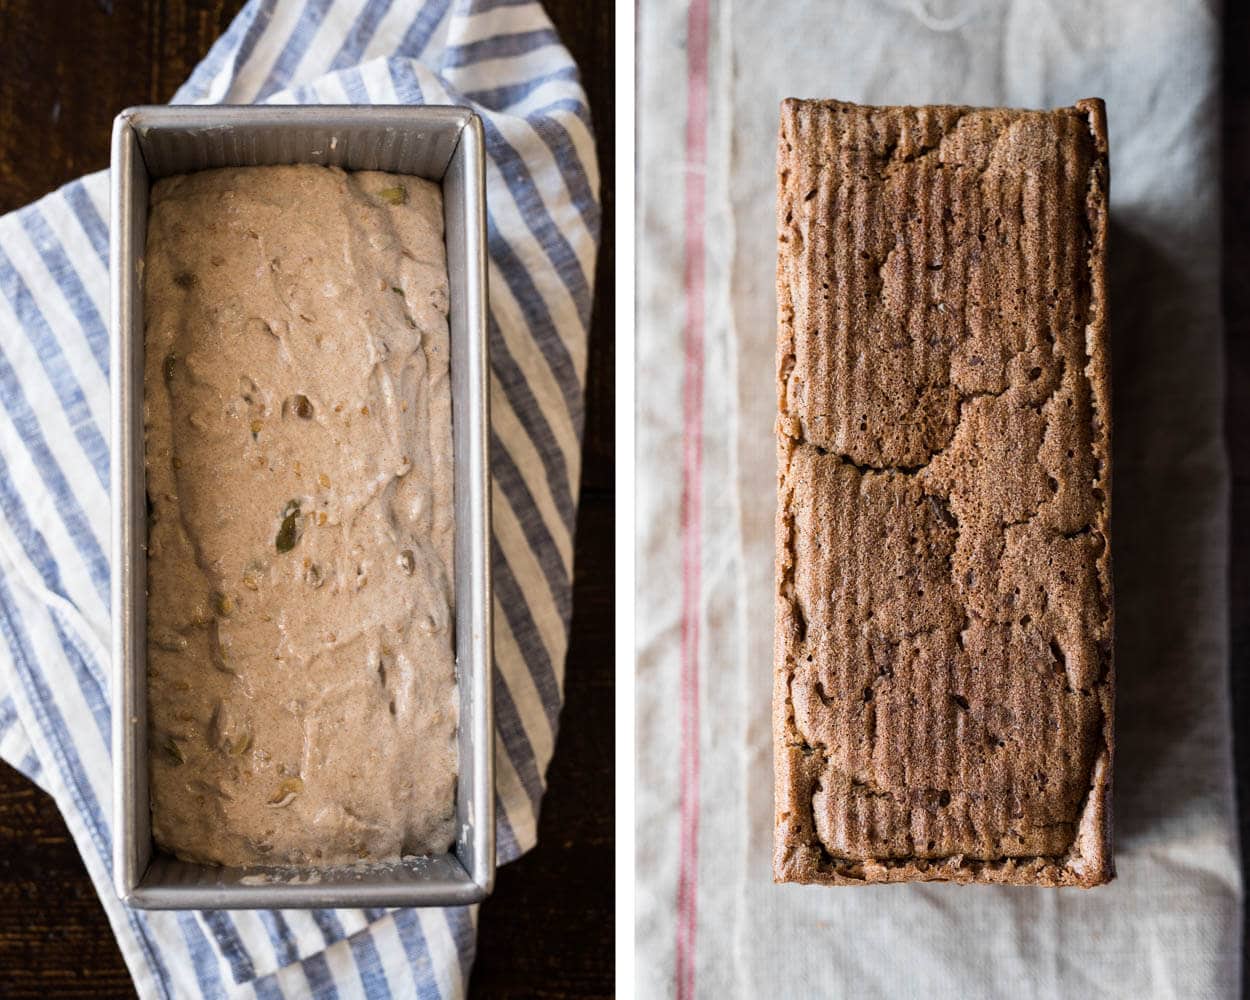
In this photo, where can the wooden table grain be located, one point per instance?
(1236, 309)
(69, 66)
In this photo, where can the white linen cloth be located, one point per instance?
(709, 920)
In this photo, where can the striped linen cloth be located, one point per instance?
(505, 59)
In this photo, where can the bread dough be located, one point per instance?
(301, 677)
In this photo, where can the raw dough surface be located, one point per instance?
(302, 693)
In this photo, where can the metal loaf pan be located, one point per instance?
(442, 144)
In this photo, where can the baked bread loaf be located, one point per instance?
(943, 678)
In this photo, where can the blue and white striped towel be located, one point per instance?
(505, 59)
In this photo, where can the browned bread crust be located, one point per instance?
(943, 688)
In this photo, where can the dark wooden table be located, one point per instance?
(1236, 296)
(69, 67)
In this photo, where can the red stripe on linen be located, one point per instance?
(697, 39)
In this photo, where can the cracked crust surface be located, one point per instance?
(943, 681)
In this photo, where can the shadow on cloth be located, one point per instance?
(1167, 504)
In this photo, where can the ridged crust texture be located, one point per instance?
(943, 693)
